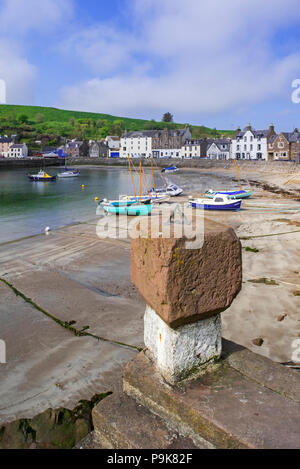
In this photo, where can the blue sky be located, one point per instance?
(209, 62)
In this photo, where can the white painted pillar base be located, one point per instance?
(178, 353)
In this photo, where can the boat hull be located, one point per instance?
(233, 206)
(132, 210)
(42, 179)
(233, 195)
(68, 175)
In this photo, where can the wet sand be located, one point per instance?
(77, 277)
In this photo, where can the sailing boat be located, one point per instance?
(68, 172)
(130, 206)
(236, 194)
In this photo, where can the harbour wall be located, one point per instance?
(203, 164)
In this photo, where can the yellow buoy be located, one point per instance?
(96, 199)
(83, 186)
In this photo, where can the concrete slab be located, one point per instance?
(70, 274)
(224, 406)
(121, 423)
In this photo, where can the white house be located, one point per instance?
(113, 142)
(220, 149)
(251, 144)
(136, 144)
(18, 151)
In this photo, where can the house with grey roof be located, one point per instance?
(219, 149)
(99, 149)
(196, 148)
(251, 144)
(284, 146)
(166, 143)
(137, 144)
(18, 151)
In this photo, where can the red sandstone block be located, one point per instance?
(186, 285)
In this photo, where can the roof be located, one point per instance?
(5, 140)
(256, 133)
(142, 133)
(155, 133)
(221, 141)
(17, 145)
(113, 137)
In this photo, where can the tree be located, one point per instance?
(72, 121)
(22, 118)
(167, 117)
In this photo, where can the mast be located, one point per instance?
(140, 180)
(153, 174)
(237, 172)
(131, 176)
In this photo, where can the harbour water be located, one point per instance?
(27, 208)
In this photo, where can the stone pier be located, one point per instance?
(189, 388)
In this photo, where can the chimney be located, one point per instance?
(249, 127)
(271, 129)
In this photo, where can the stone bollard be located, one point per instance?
(185, 291)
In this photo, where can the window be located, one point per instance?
(251, 147)
(259, 147)
(280, 145)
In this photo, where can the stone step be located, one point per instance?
(234, 405)
(121, 423)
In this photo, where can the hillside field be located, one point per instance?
(34, 123)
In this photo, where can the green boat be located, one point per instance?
(241, 194)
(131, 210)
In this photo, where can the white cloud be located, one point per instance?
(206, 56)
(19, 75)
(22, 16)
(19, 20)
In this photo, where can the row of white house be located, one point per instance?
(247, 144)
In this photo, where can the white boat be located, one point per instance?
(155, 198)
(68, 173)
(219, 202)
(171, 190)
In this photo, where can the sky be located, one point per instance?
(208, 62)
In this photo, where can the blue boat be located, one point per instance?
(170, 169)
(219, 202)
(41, 176)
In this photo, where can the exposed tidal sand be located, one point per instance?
(77, 277)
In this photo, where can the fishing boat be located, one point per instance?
(219, 202)
(68, 173)
(170, 190)
(237, 194)
(41, 176)
(129, 210)
(170, 169)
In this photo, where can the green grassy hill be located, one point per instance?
(32, 123)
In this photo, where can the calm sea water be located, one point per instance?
(26, 207)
